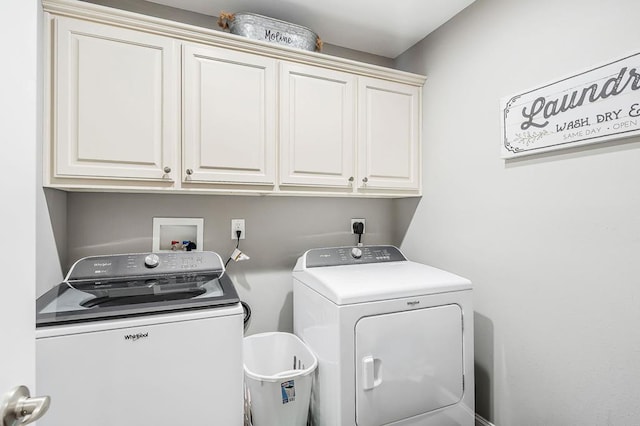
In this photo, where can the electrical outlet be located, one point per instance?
(237, 225)
(364, 228)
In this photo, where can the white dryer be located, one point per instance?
(393, 338)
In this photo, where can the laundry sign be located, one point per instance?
(597, 105)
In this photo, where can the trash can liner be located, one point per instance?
(269, 356)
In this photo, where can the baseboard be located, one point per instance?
(481, 421)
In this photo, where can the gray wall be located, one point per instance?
(205, 21)
(551, 242)
(51, 236)
(356, 55)
(278, 231)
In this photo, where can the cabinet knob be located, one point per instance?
(351, 179)
(365, 179)
(167, 169)
(189, 172)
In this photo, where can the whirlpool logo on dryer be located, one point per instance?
(137, 336)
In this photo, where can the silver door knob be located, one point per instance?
(365, 179)
(167, 169)
(189, 172)
(18, 408)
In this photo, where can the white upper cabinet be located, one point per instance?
(317, 126)
(229, 113)
(114, 102)
(389, 135)
(139, 103)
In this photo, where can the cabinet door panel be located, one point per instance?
(229, 116)
(389, 138)
(316, 126)
(116, 102)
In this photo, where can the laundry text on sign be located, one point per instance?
(596, 105)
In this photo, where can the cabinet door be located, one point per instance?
(389, 135)
(317, 136)
(229, 116)
(116, 105)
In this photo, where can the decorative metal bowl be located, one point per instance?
(263, 28)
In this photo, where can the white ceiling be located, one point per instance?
(382, 27)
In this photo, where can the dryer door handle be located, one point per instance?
(371, 372)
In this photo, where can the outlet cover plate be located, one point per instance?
(237, 225)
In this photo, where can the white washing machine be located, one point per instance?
(393, 338)
(142, 339)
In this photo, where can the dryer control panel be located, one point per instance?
(339, 256)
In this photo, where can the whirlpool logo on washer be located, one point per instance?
(137, 336)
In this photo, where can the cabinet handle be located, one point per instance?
(189, 172)
(351, 179)
(365, 179)
(167, 169)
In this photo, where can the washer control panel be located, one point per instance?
(145, 264)
(338, 256)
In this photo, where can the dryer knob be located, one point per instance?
(151, 261)
(356, 253)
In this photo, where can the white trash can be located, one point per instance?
(278, 371)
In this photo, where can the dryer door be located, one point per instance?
(408, 363)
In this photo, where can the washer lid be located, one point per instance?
(374, 281)
(114, 286)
